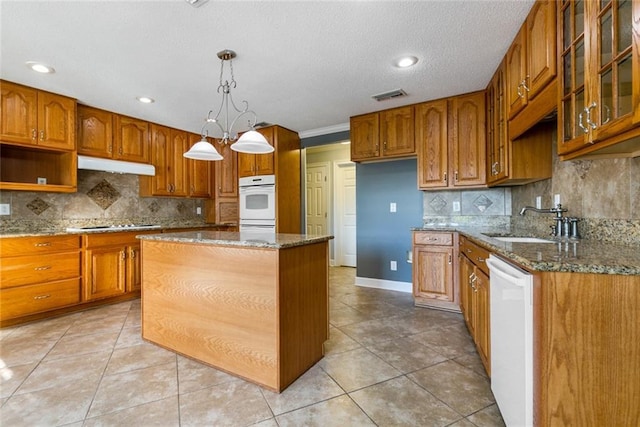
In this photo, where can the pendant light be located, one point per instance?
(251, 142)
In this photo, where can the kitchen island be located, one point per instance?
(255, 306)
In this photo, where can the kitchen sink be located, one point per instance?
(513, 239)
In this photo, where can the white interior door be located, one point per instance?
(316, 195)
(345, 205)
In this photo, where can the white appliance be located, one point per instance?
(511, 308)
(258, 203)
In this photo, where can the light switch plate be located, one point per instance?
(538, 202)
(5, 209)
(393, 265)
(456, 206)
(198, 210)
(556, 199)
(392, 207)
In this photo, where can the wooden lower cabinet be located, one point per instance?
(434, 283)
(39, 274)
(474, 301)
(111, 265)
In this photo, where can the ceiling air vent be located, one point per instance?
(389, 95)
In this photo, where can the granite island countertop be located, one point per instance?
(563, 255)
(230, 238)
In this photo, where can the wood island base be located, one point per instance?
(258, 313)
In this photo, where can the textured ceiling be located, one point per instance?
(306, 65)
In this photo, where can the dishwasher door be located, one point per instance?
(511, 311)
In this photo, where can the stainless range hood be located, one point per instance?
(115, 166)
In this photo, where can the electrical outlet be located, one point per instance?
(42, 181)
(456, 206)
(393, 265)
(392, 207)
(556, 199)
(538, 202)
(198, 210)
(5, 209)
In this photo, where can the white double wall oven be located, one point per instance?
(258, 204)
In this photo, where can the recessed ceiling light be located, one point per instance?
(145, 99)
(40, 67)
(406, 61)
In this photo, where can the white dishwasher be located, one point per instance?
(511, 308)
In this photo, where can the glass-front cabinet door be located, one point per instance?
(611, 108)
(572, 130)
(600, 79)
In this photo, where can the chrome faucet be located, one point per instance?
(557, 210)
(556, 230)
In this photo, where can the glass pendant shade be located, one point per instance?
(203, 150)
(252, 142)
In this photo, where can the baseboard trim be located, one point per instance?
(389, 285)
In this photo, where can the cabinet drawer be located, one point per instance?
(476, 254)
(431, 238)
(16, 246)
(24, 300)
(24, 270)
(115, 239)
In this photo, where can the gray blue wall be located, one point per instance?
(383, 236)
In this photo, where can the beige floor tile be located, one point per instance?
(420, 320)
(133, 388)
(371, 331)
(377, 310)
(446, 341)
(401, 402)
(12, 377)
(88, 326)
(134, 318)
(472, 361)
(61, 405)
(161, 413)
(312, 387)
(129, 337)
(234, 403)
(46, 330)
(138, 357)
(487, 417)
(358, 368)
(75, 345)
(342, 316)
(337, 412)
(406, 355)
(56, 373)
(194, 376)
(266, 423)
(463, 423)
(339, 342)
(20, 351)
(459, 387)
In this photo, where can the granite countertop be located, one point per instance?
(229, 238)
(64, 232)
(564, 255)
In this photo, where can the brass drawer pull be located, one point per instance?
(39, 245)
(45, 296)
(44, 267)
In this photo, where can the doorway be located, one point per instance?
(330, 199)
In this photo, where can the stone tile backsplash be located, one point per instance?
(102, 199)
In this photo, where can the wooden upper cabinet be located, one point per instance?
(95, 132)
(199, 173)
(258, 164)
(37, 118)
(541, 46)
(226, 173)
(131, 139)
(432, 143)
(467, 140)
(531, 86)
(497, 139)
(516, 61)
(177, 163)
(397, 132)
(600, 79)
(365, 137)
(112, 136)
(382, 135)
